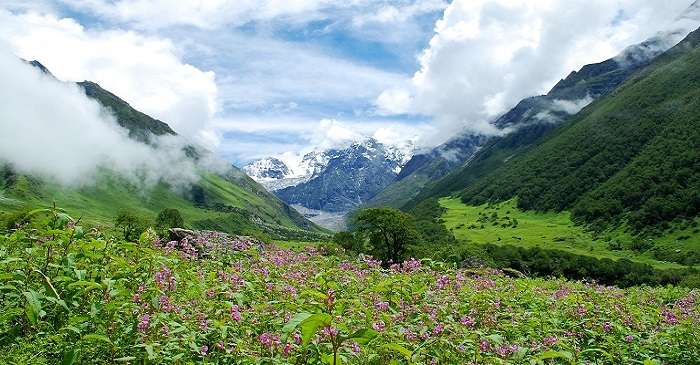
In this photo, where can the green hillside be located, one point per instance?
(229, 201)
(232, 203)
(530, 122)
(631, 157)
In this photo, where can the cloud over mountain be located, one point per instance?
(486, 55)
(51, 129)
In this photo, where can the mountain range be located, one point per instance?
(333, 180)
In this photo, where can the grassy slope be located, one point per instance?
(547, 230)
(108, 196)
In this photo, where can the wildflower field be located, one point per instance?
(75, 296)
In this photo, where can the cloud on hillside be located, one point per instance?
(51, 129)
(486, 55)
(146, 71)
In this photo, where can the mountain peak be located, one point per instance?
(267, 168)
(40, 67)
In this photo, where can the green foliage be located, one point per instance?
(73, 298)
(622, 272)
(169, 218)
(130, 224)
(349, 242)
(389, 231)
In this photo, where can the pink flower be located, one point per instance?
(355, 347)
(203, 322)
(269, 340)
(165, 279)
(379, 326)
(411, 265)
(484, 346)
(330, 331)
(467, 321)
(204, 350)
(581, 310)
(442, 282)
(381, 306)
(235, 314)
(629, 338)
(144, 322)
(549, 341)
(669, 317)
(506, 350)
(330, 298)
(607, 326)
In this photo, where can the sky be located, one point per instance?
(255, 78)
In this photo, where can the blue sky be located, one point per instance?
(250, 79)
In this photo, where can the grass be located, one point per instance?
(496, 224)
(100, 202)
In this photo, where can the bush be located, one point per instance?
(169, 218)
(131, 225)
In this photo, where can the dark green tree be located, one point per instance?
(130, 224)
(169, 218)
(349, 242)
(389, 231)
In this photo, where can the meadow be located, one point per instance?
(505, 224)
(76, 296)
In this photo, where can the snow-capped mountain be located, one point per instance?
(333, 180)
(267, 168)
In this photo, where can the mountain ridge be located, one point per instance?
(227, 200)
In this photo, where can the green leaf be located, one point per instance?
(86, 285)
(62, 303)
(10, 260)
(70, 357)
(150, 352)
(310, 326)
(93, 337)
(125, 359)
(295, 321)
(363, 336)
(550, 354)
(33, 308)
(400, 349)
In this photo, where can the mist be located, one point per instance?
(50, 129)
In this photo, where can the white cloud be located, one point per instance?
(145, 71)
(486, 55)
(571, 106)
(51, 129)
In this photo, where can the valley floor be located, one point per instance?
(505, 224)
